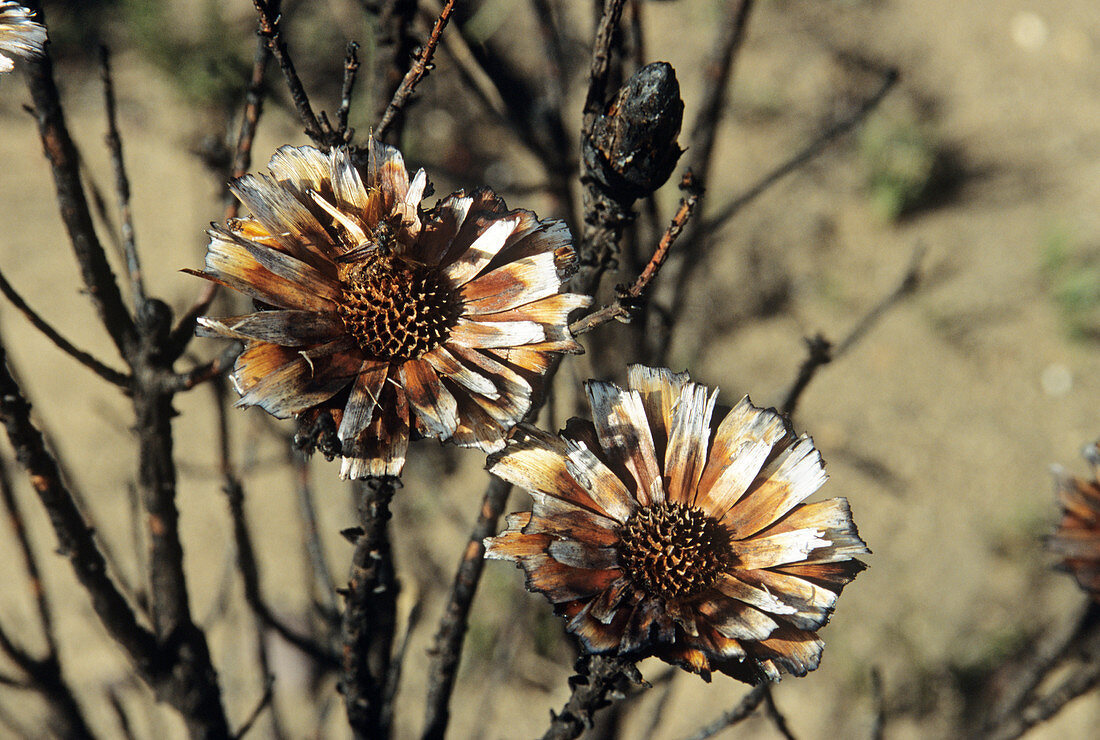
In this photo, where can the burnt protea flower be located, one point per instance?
(1077, 538)
(20, 35)
(655, 535)
(377, 319)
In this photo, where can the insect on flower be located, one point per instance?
(654, 534)
(377, 320)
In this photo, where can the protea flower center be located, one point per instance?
(672, 551)
(396, 309)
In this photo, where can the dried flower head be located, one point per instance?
(20, 36)
(377, 319)
(654, 535)
(1077, 538)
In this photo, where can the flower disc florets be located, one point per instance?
(672, 551)
(397, 310)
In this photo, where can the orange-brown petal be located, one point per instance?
(741, 446)
(795, 474)
(688, 438)
(623, 433)
(434, 405)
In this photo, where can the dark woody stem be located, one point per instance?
(370, 611)
(596, 677)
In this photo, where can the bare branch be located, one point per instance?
(75, 539)
(717, 74)
(30, 562)
(242, 160)
(742, 711)
(447, 648)
(122, 182)
(596, 676)
(115, 377)
(264, 703)
(369, 614)
(600, 65)
(271, 29)
(1084, 678)
(810, 151)
(322, 575)
(775, 715)
(628, 298)
(65, 165)
(175, 382)
(351, 67)
(416, 73)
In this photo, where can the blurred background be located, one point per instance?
(939, 426)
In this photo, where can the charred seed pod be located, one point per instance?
(633, 146)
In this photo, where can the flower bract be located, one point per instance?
(20, 35)
(378, 320)
(1077, 538)
(654, 533)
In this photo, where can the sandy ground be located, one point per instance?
(939, 426)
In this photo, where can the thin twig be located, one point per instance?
(397, 664)
(271, 29)
(776, 716)
(247, 564)
(122, 182)
(1083, 679)
(322, 574)
(878, 705)
(662, 704)
(810, 151)
(43, 674)
(184, 330)
(621, 308)
(370, 611)
(264, 703)
(30, 562)
(822, 352)
(698, 250)
(742, 711)
(447, 648)
(717, 73)
(1038, 666)
(95, 270)
(124, 726)
(600, 66)
(416, 73)
(351, 67)
(175, 382)
(115, 377)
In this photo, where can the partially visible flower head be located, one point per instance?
(655, 535)
(20, 35)
(377, 320)
(1077, 538)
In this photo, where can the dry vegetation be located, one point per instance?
(889, 233)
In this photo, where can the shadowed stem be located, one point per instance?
(447, 650)
(42, 674)
(821, 352)
(370, 611)
(742, 711)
